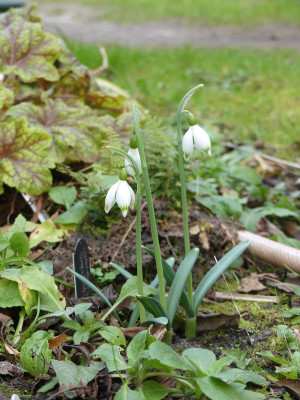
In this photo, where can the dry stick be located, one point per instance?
(250, 341)
(95, 72)
(126, 234)
(263, 155)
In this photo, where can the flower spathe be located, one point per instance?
(122, 194)
(134, 153)
(195, 137)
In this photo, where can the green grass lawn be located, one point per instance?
(210, 12)
(248, 94)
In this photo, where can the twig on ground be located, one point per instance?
(263, 155)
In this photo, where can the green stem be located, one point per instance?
(159, 267)
(16, 337)
(139, 260)
(182, 183)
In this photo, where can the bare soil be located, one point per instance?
(87, 24)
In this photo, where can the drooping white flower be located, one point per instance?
(134, 153)
(15, 397)
(1, 77)
(195, 137)
(120, 193)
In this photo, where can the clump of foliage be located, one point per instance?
(51, 108)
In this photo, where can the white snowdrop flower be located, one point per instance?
(15, 397)
(195, 137)
(120, 193)
(1, 77)
(134, 153)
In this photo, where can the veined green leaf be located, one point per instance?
(179, 282)
(167, 356)
(74, 129)
(216, 271)
(34, 351)
(24, 162)
(27, 50)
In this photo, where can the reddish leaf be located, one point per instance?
(74, 128)
(23, 157)
(26, 50)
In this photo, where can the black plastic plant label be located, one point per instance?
(82, 266)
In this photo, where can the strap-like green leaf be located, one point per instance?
(122, 270)
(169, 275)
(154, 307)
(214, 274)
(179, 281)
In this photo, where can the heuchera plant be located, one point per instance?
(51, 109)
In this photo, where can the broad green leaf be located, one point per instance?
(113, 335)
(81, 335)
(130, 289)
(202, 359)
(74, 215)
(46, 266)
(153, 390)
(250, 217)
(30, 297)
(216, 271)
(239, 357)
(270, 356)
(46, 232)
(6, 97)
(246, 174)
(240, 375)
(296, 359)
(71, 324)
(34, 351)
(19, 244)
(74, 129)
(216, 389)
(221, 205)
(136, 346)
(45, 284)
(217, 366)
(127, 394)
(77, 309)
(19, 225)
(9, 294)
(179, 282)
(28, 51)
(24, 163)
(64, 195)
(49, 385)
(70, 374)
(167, 356)
(111, 356)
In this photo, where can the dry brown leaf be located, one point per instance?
(194, 230)
(210, 322)
(291, 385)
(204, 240)
(250, 284)
(56, 341)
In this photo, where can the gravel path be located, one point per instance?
(88, 25)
